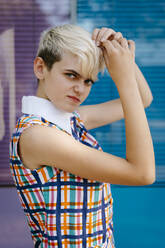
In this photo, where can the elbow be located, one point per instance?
(148, 101)
(147, 179)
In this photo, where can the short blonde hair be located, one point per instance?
(72, 38)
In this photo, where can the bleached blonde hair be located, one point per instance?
(55, 41)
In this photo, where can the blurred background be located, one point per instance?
(139, 212)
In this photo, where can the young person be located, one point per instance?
(62, 175)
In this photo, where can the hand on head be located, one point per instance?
(119, 53)
(103, 34)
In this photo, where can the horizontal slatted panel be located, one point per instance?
(144, 22)
(21, 23)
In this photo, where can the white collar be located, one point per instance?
(39, 106)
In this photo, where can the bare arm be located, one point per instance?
(98, 115)
(143, 87)
(105, 113)
(62, 151)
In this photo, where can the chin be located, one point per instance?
(68, 109)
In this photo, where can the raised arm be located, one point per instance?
(63, 151)
(105, 113)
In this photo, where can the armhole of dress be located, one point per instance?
(33, 122)
(41, 174)
(45, 172)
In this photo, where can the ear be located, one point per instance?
(39, 68)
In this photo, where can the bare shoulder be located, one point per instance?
(37, 143)
(41, 145)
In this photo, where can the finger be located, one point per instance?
(108, 45)
(95, 33)
(124, 43)
(106, 56)
(116, 44)
(118, 36)
(99, 35)
(107, 35)
(131, 44)
(104, 34)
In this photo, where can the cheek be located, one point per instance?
(53, 85)
(87, 92)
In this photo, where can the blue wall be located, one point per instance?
(139, 214)
(139, 217)
(144, 22)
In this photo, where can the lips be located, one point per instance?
(75, 99)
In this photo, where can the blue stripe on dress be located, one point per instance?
(58, 212)
(103, 216)
(35, 174)
(84, 213)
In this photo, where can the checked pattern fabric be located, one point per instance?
(62, 209)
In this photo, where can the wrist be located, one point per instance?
(129, 92)
(126, 83)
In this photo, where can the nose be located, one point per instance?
(79, 87)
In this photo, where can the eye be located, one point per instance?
(89, 82)
(70, 75)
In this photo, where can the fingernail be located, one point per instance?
(97, 43)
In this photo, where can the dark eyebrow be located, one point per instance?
(74, 72)
(78, 75)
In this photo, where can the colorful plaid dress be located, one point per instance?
(62, 210)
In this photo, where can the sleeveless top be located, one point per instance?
(62, 209)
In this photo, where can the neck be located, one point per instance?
(40, 91)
